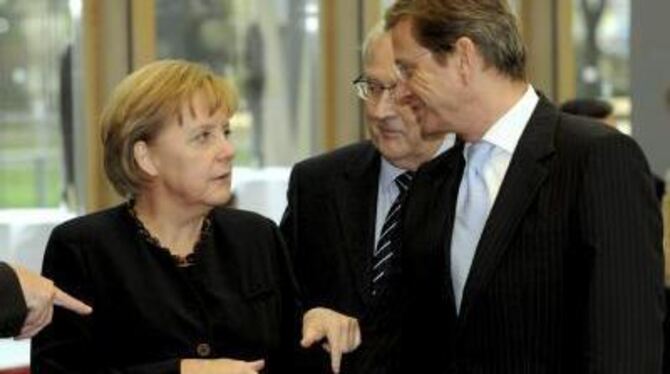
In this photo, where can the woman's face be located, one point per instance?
(193, 160)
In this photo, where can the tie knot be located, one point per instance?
(479, 153)
(404, 180)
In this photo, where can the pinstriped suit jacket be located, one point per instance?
(568, 273)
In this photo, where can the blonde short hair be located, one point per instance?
(143, 103)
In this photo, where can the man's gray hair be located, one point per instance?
(373, 36)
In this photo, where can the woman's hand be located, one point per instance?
(342, 333)
(221, 366)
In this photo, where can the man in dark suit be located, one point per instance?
(338, 205)
(534, 246)
(27, 301)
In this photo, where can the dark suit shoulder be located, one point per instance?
(91, 225)
(595, 149)
(585, 130)
(583, 137)
(337, 159)
(237, 219)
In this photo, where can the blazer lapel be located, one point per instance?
(526, 172)
(433, 195)
(356, 206)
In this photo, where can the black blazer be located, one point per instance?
(568, 274)
(329, 226)
(13, 308)
(237, 301)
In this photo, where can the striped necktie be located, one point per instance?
(389, 239)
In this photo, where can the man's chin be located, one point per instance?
(392, 151)
(387, 140)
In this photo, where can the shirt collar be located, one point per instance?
(448, 142)
(388, 174)
(506, 131)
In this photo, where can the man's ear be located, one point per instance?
(142, 155)
(468, 59)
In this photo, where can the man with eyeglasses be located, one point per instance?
(343, 217)
(537, 249)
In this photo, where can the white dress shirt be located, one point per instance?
(504, 135)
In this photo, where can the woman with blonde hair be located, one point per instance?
(178, 283)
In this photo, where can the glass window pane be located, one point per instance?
(269, 48)
(34, 36)
(36, 126)
(601, 31)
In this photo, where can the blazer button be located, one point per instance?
(203, 350)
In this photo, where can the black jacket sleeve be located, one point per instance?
(622, 226)
(13, 309)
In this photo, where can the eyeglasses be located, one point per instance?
(372, 90)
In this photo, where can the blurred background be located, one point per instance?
(293, 62)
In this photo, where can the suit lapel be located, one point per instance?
(356, 206)
(431, 194)
(526, 172)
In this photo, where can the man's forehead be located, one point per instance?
(402, 38)
(379, 67)
(381, 54)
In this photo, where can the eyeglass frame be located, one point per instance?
(362, 80)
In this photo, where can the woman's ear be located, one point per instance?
(142, 155)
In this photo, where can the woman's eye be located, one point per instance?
(226, 133)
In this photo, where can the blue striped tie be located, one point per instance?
(389, 239)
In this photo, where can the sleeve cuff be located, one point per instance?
(14, 310)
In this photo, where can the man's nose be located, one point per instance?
(382, 107)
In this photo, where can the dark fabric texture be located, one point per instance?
(13, 309)
(237, 301)
(568, 273)
(329, 227)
